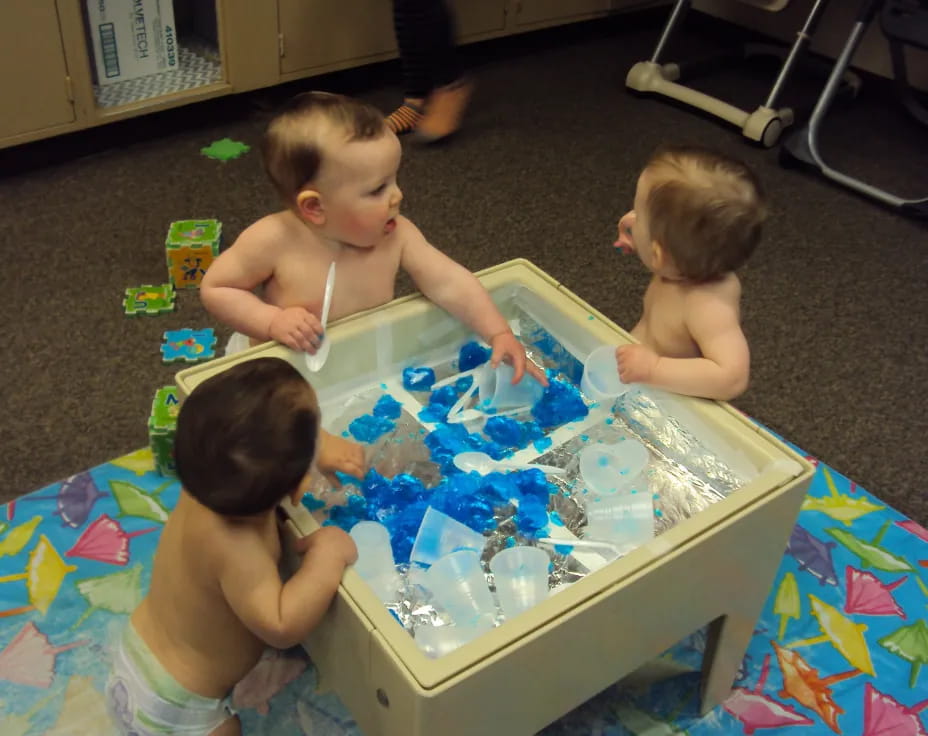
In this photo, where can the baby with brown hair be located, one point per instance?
(334, 162)
(246, 439)
(697, 218)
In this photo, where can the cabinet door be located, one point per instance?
(474, 17)
(319, 33)
(540, 11)
(33, 75)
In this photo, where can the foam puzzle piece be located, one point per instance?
(192, 232)
(188, 345)
(225, 149)
(190, 248)
(162, 424)
(149, 299)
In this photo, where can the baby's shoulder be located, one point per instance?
(277, 229)
(726, 289)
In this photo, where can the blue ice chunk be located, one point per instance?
(403, 527)
(532, 517)
(347, 480)
(354, 510)
(472, 354)
(511, 432)
(542, 443)
(504, 430)
(388, 407)
(533, 483)
(368, 428)
(463, 383)
(312, 503)
(560, 403)
(418, 378)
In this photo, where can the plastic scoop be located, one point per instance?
(375, 559)
(482, 463)
(440, 535)
(521, 578)
(315, 362)
(497, 391)
(600, 380)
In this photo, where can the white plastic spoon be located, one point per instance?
(315, 362)
(584, 543)
(483, 464)
(467, 415)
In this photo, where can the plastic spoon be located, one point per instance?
(584, 543)
(483, 464)
(467, 415)
(315, 362)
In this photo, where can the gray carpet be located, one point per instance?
(835, 304)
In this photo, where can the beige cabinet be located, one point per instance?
(543, 12)
(33, 74)
(225, 47)
(323, 35)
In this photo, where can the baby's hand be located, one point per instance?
(635, 363)
(625, 242)
(297, 328)
(507, 348)
(329, 540)
(339, 454)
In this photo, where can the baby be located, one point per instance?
(334, 162)
(697, 218)
(246, 439)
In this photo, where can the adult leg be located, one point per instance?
(428, 56)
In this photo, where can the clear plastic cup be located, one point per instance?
(458, 584)
(498, 392)
(437, 641)
(611, 469)
(626, 519)
(521, 577)
(375, 562)
(600, 380)
(440, 535)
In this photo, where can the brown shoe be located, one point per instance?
(444, 110)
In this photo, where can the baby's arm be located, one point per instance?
(282, 614)
(227, 292)
(724, 368)
(459, 292)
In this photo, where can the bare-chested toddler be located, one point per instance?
(334, 163)
(245, 440)
(697, 218)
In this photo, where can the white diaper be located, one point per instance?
(145, 700)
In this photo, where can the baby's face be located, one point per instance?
(360, 193)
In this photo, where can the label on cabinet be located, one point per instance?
(131, 38)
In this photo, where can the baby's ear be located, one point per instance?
(309, 205)
(658, 255)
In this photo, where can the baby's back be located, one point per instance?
(185, 619)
